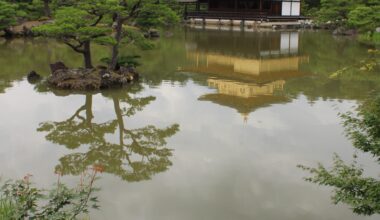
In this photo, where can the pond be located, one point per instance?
(214, 130)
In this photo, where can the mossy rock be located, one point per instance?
(91, 79)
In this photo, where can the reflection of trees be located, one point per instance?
(328, 55)
(350, 184)
(137, 154)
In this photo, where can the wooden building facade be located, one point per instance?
(243, 9)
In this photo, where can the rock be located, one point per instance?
(349, 32)
(169, 34)
(106, 76)
(131, 69)
(378, 29)
(152, 34)
(57, 66)
(337, 31)
(27, 32)
(344, 31)
(123, 70)
(33, 76)
(90, 79)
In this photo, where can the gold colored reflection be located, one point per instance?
(250, 80)
(245, 90)
(219, 64)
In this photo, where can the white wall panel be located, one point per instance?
(284, 43)
(296, 6)
(286, 8)
(294, 36)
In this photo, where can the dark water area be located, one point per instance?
(215, 128)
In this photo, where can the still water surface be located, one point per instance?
(214, 130)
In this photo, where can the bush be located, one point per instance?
(370, 39)
(21, 200)
(366, 19)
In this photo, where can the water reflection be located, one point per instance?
(221, 168)
(249, 73)
(352, 185)
(136, 154)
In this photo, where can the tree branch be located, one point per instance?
(74, 47)
(97, 20)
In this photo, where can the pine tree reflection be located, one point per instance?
(138, 154)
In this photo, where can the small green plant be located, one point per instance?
(127, 61)
(20, 199)
(7, 209)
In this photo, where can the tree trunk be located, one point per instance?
(120, 120)
(89, 114)
(47, 8)
(87, 55)
(115, 48)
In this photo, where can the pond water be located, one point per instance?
(214, 130)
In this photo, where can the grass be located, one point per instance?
(7, 209)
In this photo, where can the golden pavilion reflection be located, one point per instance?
(245, 90)
(250, 80)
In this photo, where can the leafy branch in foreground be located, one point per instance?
(21, 200)
(350, 184)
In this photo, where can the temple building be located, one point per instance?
(268, 10)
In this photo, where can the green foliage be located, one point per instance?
(335, 11)
(8, 14)
(364, 129)
(350, 184)
(21, 200)
(77, 27)
(365, 18)
(351, 187)
(30, 9)
(372, 39)
(155, 15)
(135, 36)
(310, 7)
(73, 24)
(359, 14)
(7, 209)
(131, 60)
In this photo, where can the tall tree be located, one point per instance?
(47, 11)
(140, 13)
